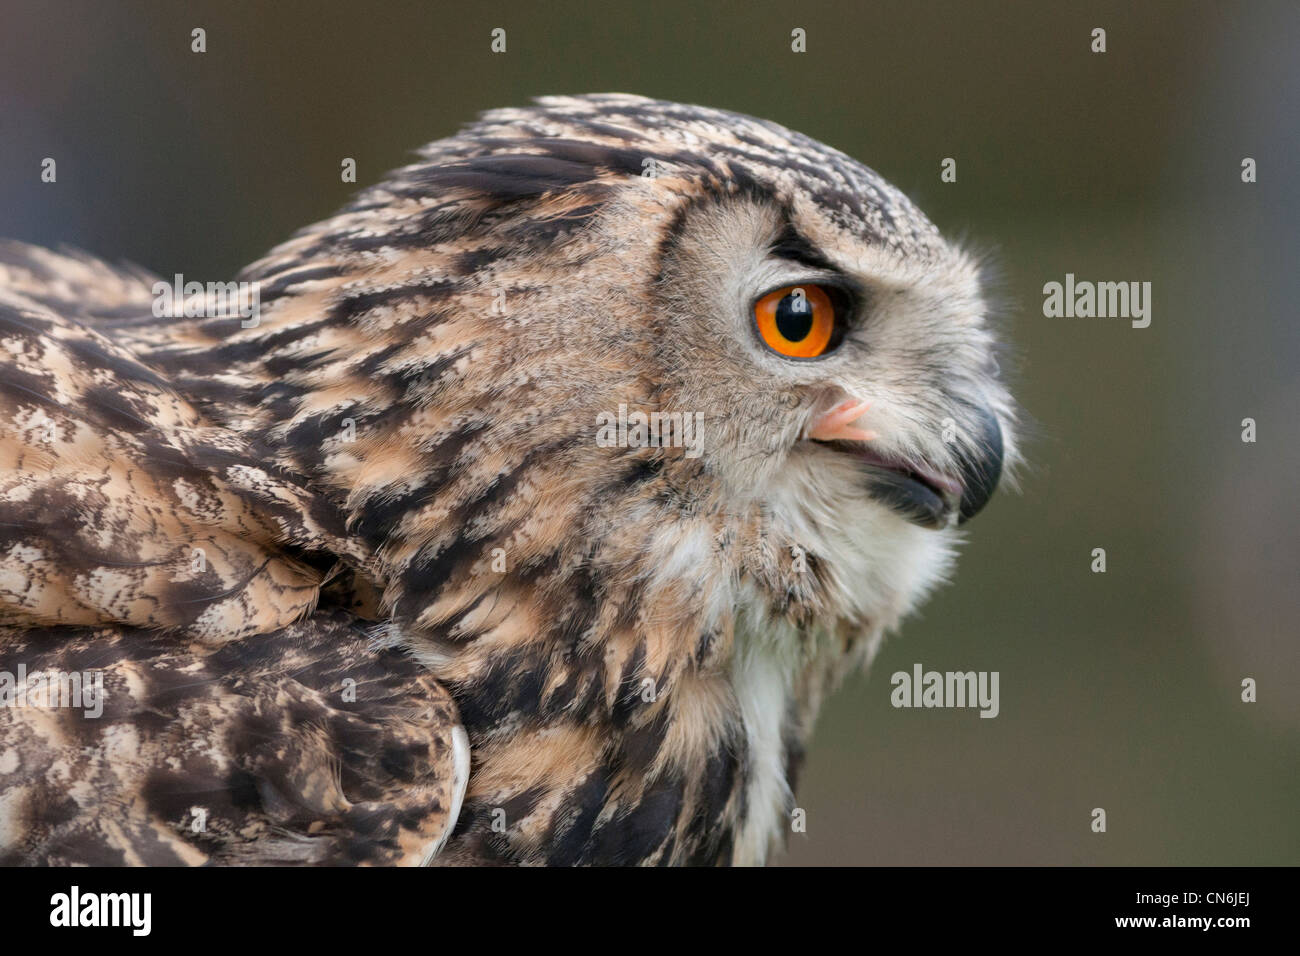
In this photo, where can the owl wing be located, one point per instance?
(76, 284)
(307, 746)
(120, 504)
(145, 549)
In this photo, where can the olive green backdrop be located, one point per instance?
(1118, 690)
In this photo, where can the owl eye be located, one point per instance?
(798, 321)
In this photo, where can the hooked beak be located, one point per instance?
(981, 466)
(921, 494)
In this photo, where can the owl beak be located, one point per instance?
(981, 466)
(922, 495)
(836, 424)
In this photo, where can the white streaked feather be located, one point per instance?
(460, 781)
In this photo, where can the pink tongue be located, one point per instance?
(932, 478)
(951, 485)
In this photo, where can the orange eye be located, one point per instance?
(798, 321)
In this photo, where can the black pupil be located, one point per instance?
(794, 318)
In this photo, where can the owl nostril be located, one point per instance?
(981, 466)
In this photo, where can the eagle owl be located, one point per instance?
(553, 484)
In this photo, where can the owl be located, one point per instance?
(527, 517)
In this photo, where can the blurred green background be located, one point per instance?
(1118, 690)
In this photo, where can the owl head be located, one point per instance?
(628, 367)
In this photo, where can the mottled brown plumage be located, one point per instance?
(258, 751)
(637, 639)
